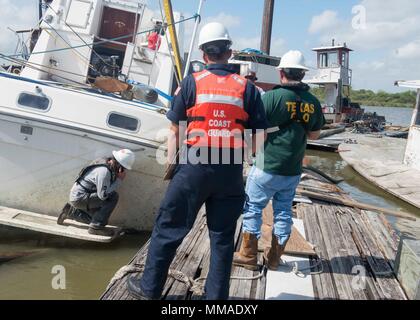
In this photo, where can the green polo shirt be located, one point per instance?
(284, 150)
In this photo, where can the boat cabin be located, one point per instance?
(333, 73)
(81, 40)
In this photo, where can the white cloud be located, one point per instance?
(228, 20)
(390, 41)
(388, 22)
(326, 20)
(408, 51)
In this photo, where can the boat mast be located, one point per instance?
(167, 5)
(267, 26)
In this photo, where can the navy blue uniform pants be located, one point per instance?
(220, 188)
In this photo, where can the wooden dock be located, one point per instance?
(355, 257)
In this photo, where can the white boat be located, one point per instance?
(412, 151)
(52, 122)
(263, 65)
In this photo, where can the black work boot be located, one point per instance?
(81, 216)
(65, 214)
(101, 231)
(133, 286)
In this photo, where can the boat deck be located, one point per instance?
(384, 167)
(355, 257)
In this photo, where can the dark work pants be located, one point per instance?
(100, 210)
(220, 188)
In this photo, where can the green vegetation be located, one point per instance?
(405, 99)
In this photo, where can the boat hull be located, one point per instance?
(39, 169)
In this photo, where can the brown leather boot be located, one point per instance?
(273, 254)
(247, 255)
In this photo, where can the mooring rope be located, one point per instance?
(194, 285)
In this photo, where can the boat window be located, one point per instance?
(323, 60)
(123, 122)
(34, 101)
(333, 59)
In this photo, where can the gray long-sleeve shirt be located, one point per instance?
(101, 178)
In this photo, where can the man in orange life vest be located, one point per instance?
(218, 106)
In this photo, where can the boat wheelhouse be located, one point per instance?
(333, 73)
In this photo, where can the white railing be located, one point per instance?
(330, 75)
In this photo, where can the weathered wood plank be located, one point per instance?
(118, 289)
(48, 225)
(336, 252)
(386, 237)
(378, 264)
(369, 289)
(190, 267)
(324, 287)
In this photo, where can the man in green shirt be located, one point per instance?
(294, 115)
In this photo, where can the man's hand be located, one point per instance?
(313, 135)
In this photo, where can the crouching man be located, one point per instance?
(93, 196)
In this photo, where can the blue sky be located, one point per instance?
(387, 48)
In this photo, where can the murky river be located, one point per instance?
(89, 267)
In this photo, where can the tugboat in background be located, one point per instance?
(334, 75)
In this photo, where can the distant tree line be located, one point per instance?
(406, 99)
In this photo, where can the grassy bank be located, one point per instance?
(405, 99)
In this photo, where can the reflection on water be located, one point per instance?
(88, 266)
(364, 191)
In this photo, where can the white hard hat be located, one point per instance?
(293, 59)
(213, 31)
(125, 158)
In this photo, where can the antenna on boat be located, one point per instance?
(267, 26)
(40, 9)
(197, 22)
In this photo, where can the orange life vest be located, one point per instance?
(218, 118)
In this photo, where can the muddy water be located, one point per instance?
(88, 266)
(363, 191)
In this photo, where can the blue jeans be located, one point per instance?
(260, 188)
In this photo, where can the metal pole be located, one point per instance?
(167, 6)
(197, 22)
(267, 26)
(40, 9)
